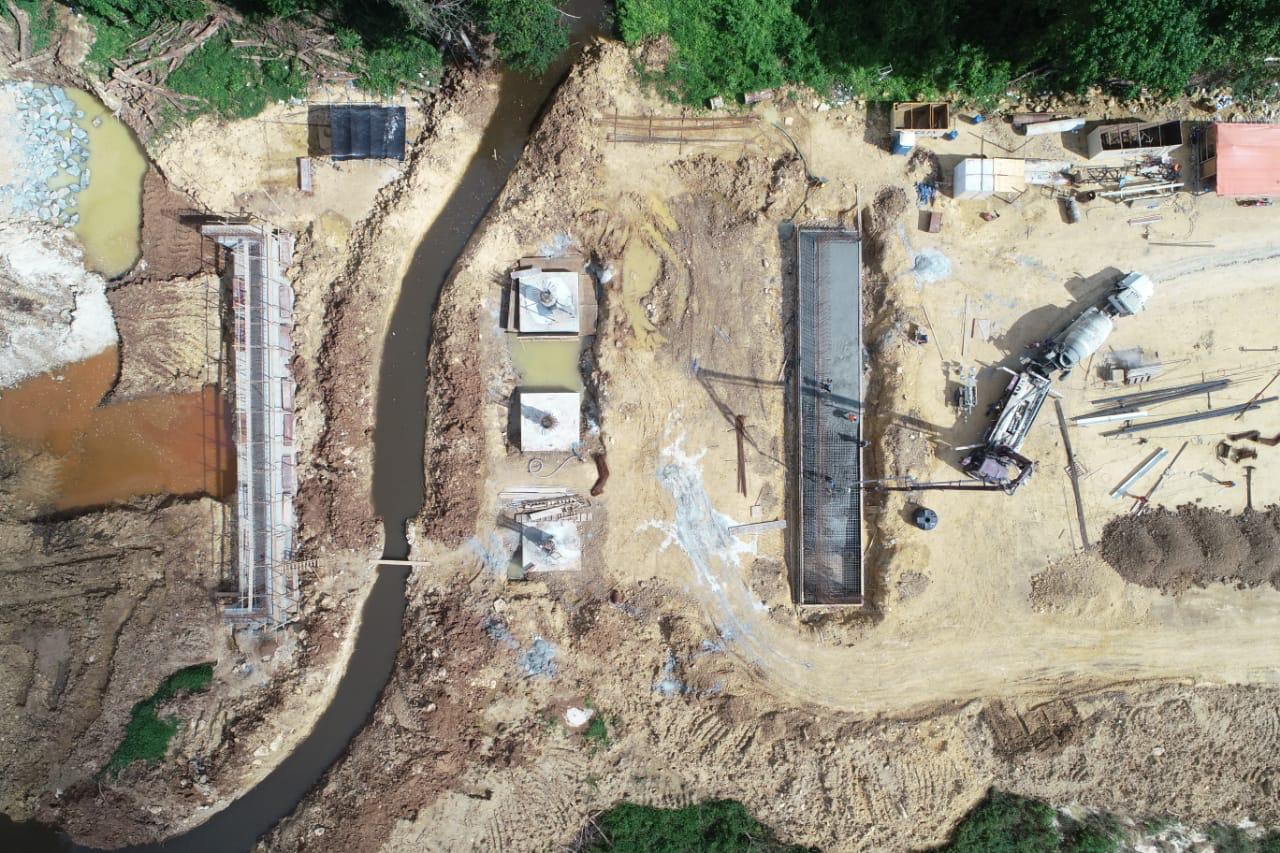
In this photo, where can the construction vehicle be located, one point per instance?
(997, 461)
(997, 464)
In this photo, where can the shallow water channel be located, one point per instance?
(398, 481)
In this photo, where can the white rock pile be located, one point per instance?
(53, 149)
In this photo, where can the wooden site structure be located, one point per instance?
(922, 118)
(682, 130)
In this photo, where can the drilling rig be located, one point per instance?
(996, 464)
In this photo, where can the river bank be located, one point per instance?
(157, 575)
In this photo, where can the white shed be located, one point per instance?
(982, 177)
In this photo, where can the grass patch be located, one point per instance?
(1007, 823)
(392, 63)
(529, 34)
(110, 41)
(598, 732)
(230, 84)
(718, 826)
(42, 21)
(147, 736)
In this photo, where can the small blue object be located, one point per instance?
(977, 119)
(925, 518)
(951, 135)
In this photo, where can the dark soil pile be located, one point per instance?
(1194, 546)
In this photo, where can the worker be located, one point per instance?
(851, 417)
(860, 442)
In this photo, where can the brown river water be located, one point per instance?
(173, 444)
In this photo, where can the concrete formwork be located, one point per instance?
(827, 404)
(261, 299)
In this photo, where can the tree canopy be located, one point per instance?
(973, 47)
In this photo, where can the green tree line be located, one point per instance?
(897, 49)
(389, 43)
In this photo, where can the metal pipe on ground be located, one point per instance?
(1186, 419)
(1127, 414)
(1122, 489)
(1142, 398)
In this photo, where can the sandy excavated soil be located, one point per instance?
(98, 610)
(995, 652)
(170, 335)
(470, 752)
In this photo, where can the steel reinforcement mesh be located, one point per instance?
(828, 403)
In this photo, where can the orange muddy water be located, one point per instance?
(172, 444)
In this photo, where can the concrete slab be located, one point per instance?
(550, 421)
(551, 546)
(548, 301)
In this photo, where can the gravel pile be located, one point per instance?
(52, 149)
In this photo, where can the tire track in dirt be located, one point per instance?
(1215, 646)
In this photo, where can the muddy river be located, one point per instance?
(398, 456)
(168, 444)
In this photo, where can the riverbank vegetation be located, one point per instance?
(718, 826)
(1007, 823)
(971, 48)
(269, 50)
(147, 736)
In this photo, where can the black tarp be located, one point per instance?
(366, 132)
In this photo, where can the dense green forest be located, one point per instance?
(1007, 823)
(717, 826)
(971, 49)
(974, 48)
(253, 60)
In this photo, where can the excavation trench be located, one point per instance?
(398, 480)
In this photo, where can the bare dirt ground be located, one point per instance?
(997, 651)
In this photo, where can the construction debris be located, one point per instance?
(759, 527)
(1161, 395)
(1254, 435)
(1141, 504)
(1122, 489)
(1074, 471)
(1186, 419)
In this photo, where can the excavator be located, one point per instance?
(996, 464)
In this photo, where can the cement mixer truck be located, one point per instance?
(998, 462)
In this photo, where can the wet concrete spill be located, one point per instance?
(398, 462)
(175, 444)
